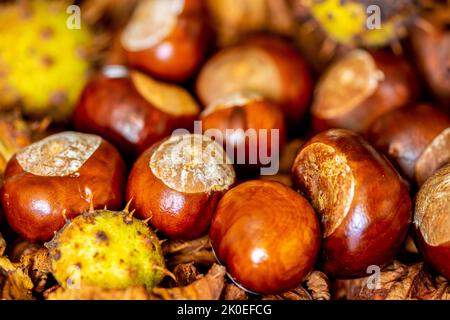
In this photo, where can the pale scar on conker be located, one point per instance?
(192, 164)
(432, 215)
(329, 181)
(154, 21)
(348, 83)
(59, 155)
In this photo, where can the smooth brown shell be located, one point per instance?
(257, 114)
(37, 206)
(397, 88)
(114, 109)
(267, 235)
(177, 56)
(368, 220)
(179, 215)
(295, 80)
(404, 135)
(432, 220)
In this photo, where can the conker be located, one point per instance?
(265, 65)
(416, 139)
(178, 182)
(267, 235)
(132, 110)
(59, 178)
(360, 87)
(166, 38)
(234, 115)
(362, 201)
(431, 48)
(432, 220)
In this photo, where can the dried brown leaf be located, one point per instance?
(233, 292)
(2, 245)
(38, 266)
(208, 287)
(318, 285)
(15, 284)
(198, 251)
(397, 282)
(186, 274)
(95, 293)
(299, 293)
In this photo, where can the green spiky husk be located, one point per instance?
(107, 249)
(43, 63)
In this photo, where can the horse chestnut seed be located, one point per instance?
(132, 110)
(432, 220)
(267, 235)
(416, 139)
(360, 87)
(60, 177)
(238, 113)
(178, 182)
(265, 65)
(363, 202)
(166, 38)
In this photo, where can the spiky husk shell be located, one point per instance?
(42, 67)
(106, 249)
(330, 27)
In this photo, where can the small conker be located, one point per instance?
(362, 201)
(234, 115)
(132, 110)
(267, 235)
(178, 182)
(166, 38)
(360, 87)
(265, 65)
(432, 220)
(60, 177)
(416, 139)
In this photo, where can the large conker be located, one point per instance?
(265, 65)
(59, 178)
(132, 110)
(177, 183)
(166, 38)
(362, 201)
(416, 139)
(267, 235)
(250, 126)
(432, 220)
(360, 87)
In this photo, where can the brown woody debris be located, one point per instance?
(198, 251)
(208, 287)
(397, 282)
(15, 284)
(94, 293)
(233, 292)
(185, 274)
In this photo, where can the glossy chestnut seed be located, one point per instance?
(132, 110)
(249, 125)
(431, 48)
(59, 177)
(432, 220)
(178, 182)
(267, 66)
(362, 201)
(416, 139)
(267, 235)
(359, 88)
(166, 38)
